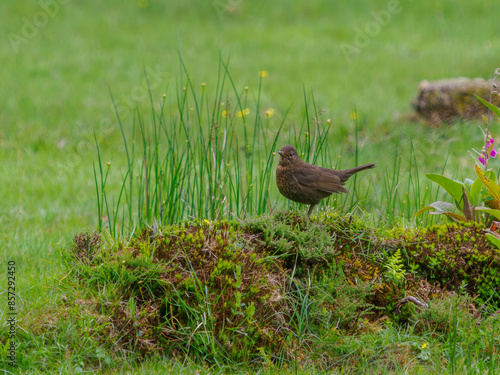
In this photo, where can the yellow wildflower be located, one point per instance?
(224, 113)
(263, 73)
(269, 113)
(245, 112)
(424, 346)
(354, 116)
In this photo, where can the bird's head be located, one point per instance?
(288, 156)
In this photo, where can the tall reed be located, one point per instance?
(205, 158)
(204, 155)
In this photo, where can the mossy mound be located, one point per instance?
(188, 287)
(304, 245)
(263, 290)
(458, 257)
(451, 99)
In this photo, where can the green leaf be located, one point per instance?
(493, 108)
(439, 206)
(442, 208)
(468, 182)
(450, 215)
(422, 210)
(493, 239)
(490, 211)
(491, 175)
(490, 184)
(453, 188)
(250, 310)
(475, 192)
(485, 119)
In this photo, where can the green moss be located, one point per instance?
(179, 277)
(451, 255)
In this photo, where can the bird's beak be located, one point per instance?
(280, 152)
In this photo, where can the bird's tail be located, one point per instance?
(349, 172)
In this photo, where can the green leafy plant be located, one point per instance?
(479, 199)
(394, 267)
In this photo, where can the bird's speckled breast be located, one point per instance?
(289, 188)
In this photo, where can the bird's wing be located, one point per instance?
(321, 179)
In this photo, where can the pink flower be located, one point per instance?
(481, 159)
(490, 152)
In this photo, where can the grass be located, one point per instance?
(56, 95)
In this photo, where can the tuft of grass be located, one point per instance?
(207, 157)
(203, 158)
(209, 154)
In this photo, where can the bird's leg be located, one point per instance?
(309, 212)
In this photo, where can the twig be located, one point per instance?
(410, 299)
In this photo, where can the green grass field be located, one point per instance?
(61, 60)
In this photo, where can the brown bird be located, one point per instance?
(306, 183)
